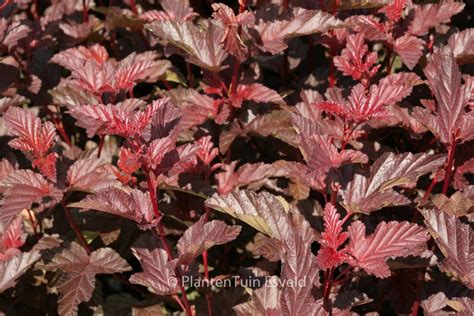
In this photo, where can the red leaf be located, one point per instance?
(332, 238)
(202, 236)
(255, 92)
(232, 40)
(77, 285)
(451, 122)
(394, 10)
(174, 10)
(33, 137)
(11, 239)
(354, 60)
(392, 239)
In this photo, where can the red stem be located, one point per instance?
(161, 234)
(327, 289)
(3, 5)
(190, 74)
(449, 166)
(206, 269)
(85, 9)
(235, 77)
(242, 6)
(74, 227)
(133, 6)
(286, 4)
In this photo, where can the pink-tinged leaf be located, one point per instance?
(265, 300)
(206, 152)
(276, 124)
(232, 41)
(15, 32)
(33, 138)
(299, 265)
(202, 46)
(158, 272)
(432, 15)
(434, 304)
(202, 236)
(451, 122)
(462, 44)
(114, 119)
(134, 205)
(363, 106)
(78, 283)
(90, 175)
(269, 248)
(157, 151)
(354, 60)
(196, 108)
(366, 194)
(322, 155)
(456, 242)
(369, 25)
(332, 238)
(174, 10)
(132, 69)
(389, 90)
(66, 58)
(292, 23)
(230, 179)
(394, 10)
(23, 188)
(183, 159)
(410, 49)
(255, 92)
(16, 266)
(11, 239)
(6, 168)
(390, 240)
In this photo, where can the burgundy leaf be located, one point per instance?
(90, 175)
(25, 187)
(232, 41)
(16, 266)
(78, 283)
(158, 273)
(134, 204)
(451, 122)
(294, 22)
(202, 47)
(202, 236)
(174, 10)
(322, 155)
(366, 194)
(255, 92)
(456, 241)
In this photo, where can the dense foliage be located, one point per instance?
(292, 157)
